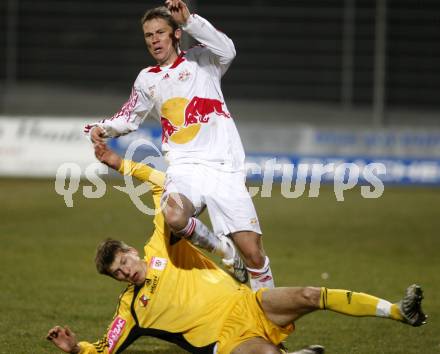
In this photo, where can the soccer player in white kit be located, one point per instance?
(199, 138)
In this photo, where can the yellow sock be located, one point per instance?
(357, 304)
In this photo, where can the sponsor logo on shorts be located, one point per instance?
(158, 263)
(253, 221)
(115, 332)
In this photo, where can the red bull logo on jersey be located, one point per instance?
(182, 119)
(115, 332)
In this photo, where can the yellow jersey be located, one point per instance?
(186, 298)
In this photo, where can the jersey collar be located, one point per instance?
(180, 58)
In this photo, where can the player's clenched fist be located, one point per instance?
(178, 10)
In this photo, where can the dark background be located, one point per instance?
(286, 50)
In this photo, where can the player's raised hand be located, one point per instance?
(107, 156)
(64, 339)
(178, 10)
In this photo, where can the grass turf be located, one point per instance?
(372, 245)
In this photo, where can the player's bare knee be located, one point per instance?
(175, 218)
(253, 258)
(310, 296)
(249, 244)
(178, 209)
(174, 201)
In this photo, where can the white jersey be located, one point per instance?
(187, 100)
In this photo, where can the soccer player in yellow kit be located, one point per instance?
(177, 294)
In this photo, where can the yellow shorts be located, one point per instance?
(247, 320)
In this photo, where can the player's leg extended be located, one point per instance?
(257, 263)
(408, 310)
(357, 304)
(178, 213)
(285, 305)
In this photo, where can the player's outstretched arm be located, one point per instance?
(64, 339)
(127, 119)
(117, 335)
(107, 156)
(142, 172)
(285, 305)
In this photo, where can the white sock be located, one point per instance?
(187, 231)
(227, 249)
(199, 235)
(261, 278)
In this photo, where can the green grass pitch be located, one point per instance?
(372, 245)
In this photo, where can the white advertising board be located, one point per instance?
(37, 147)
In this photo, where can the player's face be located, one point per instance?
(128, 267)
(159, 36)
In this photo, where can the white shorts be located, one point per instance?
(225, 195)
